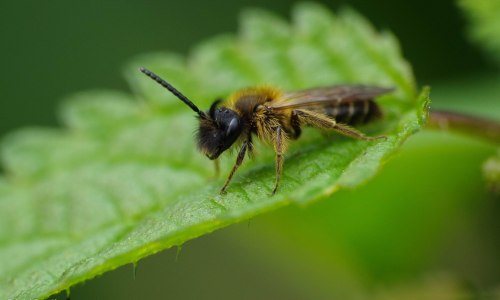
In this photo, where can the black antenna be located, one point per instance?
(173, 90)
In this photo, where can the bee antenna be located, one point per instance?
(173, 90)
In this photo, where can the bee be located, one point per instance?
(276, 117)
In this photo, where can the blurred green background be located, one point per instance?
(51, 49)
(426, 228)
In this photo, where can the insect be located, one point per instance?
(276, 117)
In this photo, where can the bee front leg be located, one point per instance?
(216, 168)
(278, 147)
(239, 160)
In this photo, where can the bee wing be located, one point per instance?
(332, 95)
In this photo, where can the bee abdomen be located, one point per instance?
(353, 112)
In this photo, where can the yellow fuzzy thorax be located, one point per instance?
(265, 91)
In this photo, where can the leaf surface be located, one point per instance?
(123, 179)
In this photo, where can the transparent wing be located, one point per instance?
(328, 96)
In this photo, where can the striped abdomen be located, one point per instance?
(351, 112)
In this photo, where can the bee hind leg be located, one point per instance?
(351, 132)
(324, 122)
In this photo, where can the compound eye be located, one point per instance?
(232, 127)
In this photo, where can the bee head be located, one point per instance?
(219, 129)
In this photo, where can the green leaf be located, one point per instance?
(124, 179)
(485, 30)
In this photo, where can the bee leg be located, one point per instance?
(239, 160)
(278, 147)
(320, 121)
(351, 132)
(216, 168)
